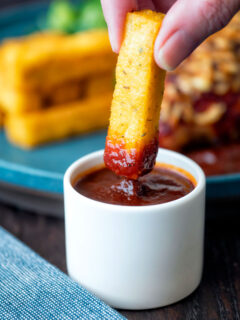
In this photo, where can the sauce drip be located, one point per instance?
(160, 186)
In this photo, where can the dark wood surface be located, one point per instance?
(218, 296)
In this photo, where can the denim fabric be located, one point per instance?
(31, 288)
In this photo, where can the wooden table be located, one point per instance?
(218, 296)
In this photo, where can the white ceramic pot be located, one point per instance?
(135, 257)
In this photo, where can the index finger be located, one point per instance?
(115, 13)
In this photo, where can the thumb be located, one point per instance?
(115, 13)
(187, 24)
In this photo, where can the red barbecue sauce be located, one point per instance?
(130, 163)
(163, 184)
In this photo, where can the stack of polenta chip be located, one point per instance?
(1, 118)
(53, 86)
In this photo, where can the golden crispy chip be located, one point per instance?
(46, 68)
(100, 83)
(31, 129)
(21, 101)
(46, 60)
(67, 92)
(132, 141)
(1, 119)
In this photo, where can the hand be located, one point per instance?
(186, 25)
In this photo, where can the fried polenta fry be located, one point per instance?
(21, 101)
(100, 83)
(132, 141)
(49, 68)
(1, 119)
(43, 61)
(67, 92)
(35, 128)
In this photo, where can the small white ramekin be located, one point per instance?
(135, 257)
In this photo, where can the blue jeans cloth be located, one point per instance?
(31, 288)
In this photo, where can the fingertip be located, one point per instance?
(115, 13)
(183, 30)
(159, 50)
(114, 44)
(161, 60)
(174, 50)
(160, 55)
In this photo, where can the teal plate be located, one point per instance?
(41, 170)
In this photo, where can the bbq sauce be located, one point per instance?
(161, 185)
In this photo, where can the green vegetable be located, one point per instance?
(68, 16)
(61, 16)
(91, 16)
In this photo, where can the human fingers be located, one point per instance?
(115, 12)
(163, 5)
(187, 24)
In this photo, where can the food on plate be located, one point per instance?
(165, 183)
(15, 101)
(218, 160)
(40, 63)
(201, 104)
(53, 86)
(31, 129)
(104, 82)
(132, 141)
(1, 119)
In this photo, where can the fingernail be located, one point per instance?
(174, 50)
(161, 61)
(113, 43)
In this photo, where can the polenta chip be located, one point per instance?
(132, 141)
(100, 83)
(44, 69)
(67, 92)
(1, 119)
(19, 101)
(35, 128)
(45, 60)
(22, 101)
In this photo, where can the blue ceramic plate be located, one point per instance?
(42, 170)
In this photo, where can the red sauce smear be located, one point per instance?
(218, 160)
(160, 186)
(130, 163)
